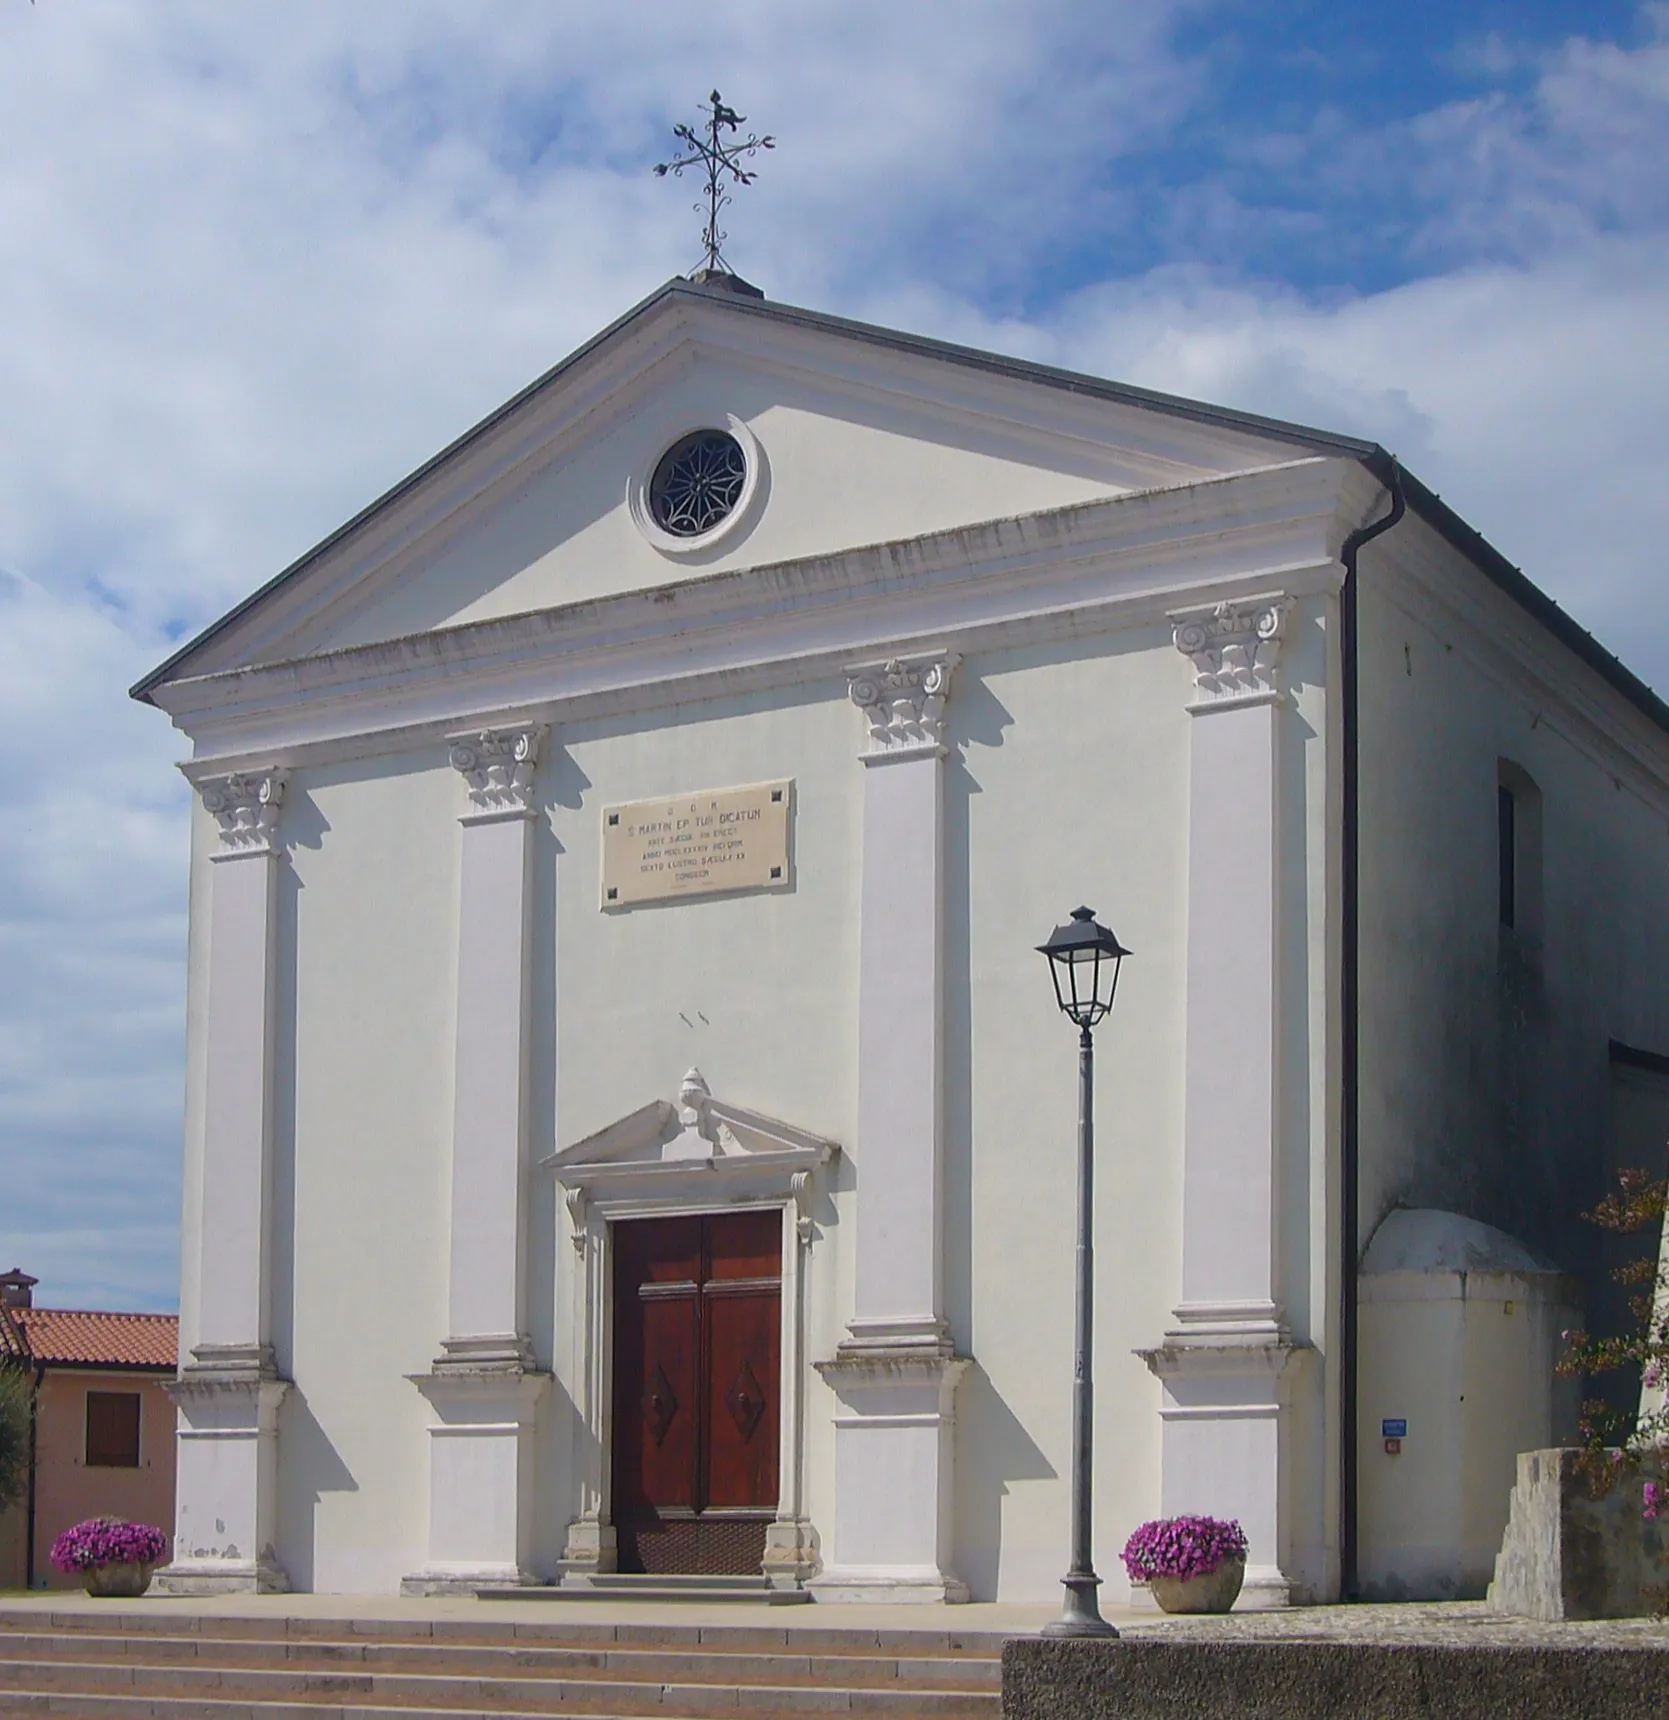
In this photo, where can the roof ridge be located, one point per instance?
(100, 1313)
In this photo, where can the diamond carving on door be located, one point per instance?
(660, 1404)
(697, 1383)
(746, 1401)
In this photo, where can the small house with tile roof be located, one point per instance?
(103, 1437)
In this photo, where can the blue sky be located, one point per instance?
(258, 262)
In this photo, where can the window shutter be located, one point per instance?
(113, 1430)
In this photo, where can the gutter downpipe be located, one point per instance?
(1350, 1022)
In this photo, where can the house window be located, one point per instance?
(113, 1430)
(1518, 849)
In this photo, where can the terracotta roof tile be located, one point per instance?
(76, 1338)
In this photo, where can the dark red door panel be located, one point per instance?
(743, 1392)
(697, 1384)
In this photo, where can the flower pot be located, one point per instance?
(1211, 1592)
(124, 1581)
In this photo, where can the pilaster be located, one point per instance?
(229, 1391)
(483, 1387)
(1228, 1363)
(895, 1373)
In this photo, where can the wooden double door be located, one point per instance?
(697, 1390)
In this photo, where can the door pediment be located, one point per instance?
(698, 1145)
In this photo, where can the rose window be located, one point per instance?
(698, 483)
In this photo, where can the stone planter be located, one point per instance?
(1213, 1592)
(124, 1582)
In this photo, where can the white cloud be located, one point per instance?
(257, 262)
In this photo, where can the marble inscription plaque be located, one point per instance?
(696, 844)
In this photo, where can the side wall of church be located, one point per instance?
(1486, 1086)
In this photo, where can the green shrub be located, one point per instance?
(14, 1433)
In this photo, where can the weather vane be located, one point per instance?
(719, 157)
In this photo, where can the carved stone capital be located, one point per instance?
(246, 805)
(1235, 649)
(498, 766)
(903, 700)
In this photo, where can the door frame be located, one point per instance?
(754, 1163)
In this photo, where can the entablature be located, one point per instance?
(1094, 567)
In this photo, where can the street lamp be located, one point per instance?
(1084, 960)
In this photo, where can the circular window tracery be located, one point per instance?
(697, 483)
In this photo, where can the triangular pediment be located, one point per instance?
(696, 1133)
(854, 437)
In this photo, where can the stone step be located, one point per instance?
(659, 1664)
(756, 1591)
(185, 1689)
(535, 1632)
(74, 1707)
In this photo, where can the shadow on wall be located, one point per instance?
(311, 1469)
(992, 1450)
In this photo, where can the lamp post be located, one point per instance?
(1084, 960)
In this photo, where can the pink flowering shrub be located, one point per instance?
(1182, 1547)
(1620, 1441)
(107, 1541)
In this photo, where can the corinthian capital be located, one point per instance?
(1235, 649)
(246, 805)
(904, 702)
(498, 765)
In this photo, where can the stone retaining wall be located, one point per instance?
(1181, 1679)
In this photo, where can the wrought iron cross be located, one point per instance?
(719, 158)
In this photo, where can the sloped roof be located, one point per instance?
(1420, 500)
(79, 1338)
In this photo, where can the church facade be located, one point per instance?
(629, 1128)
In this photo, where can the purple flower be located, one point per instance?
(1653, 1499)
(1182, 1547)
(104, 1541)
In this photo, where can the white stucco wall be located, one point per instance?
(1067, 782)
(1071, 787)
(1484, 1052)
(1485, 1086)
(361, 1158)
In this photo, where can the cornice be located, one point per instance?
(1125, 561)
